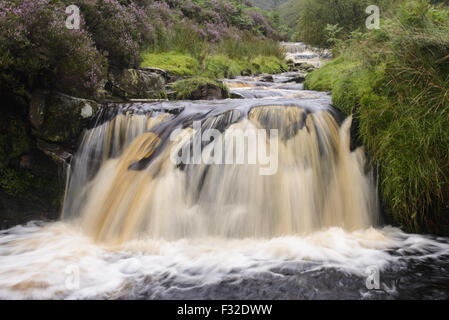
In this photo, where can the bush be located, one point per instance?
(120, 28)
(348, 15)
(39, 51)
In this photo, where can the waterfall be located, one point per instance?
(125, 184)
(254, 198)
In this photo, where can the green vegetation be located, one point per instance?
(226, 59)
(311, 20)
(186, 87)
(396, 83)
(176, 63)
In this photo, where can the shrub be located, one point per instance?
(349, 15)
(39, 51)
(120, 28)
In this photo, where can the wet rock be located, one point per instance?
(55, 152)
(235, 95)
(306, 67)
(209, 92)
(164, 73)
(297, 79)
(56, 117)
(137, 84)
(246, 73)
(266, 78)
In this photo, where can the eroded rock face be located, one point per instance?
(56, 117)
(137, 84)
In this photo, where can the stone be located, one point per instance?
(235, 95)
(246, 73)
(297, 79)
(57, 117)
(266, 78)
(137, 84)
(55, 152)
(209, 92)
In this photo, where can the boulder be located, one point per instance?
(306, 67)
(137, 83)
(297, 79)
(235, 95)
(56, 117)
(209, 92)
(266, 78)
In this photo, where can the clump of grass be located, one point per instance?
(268, 64)
(326, 78)
(220, 66)
(248, 47)
(174, 62)
(396, 83)
(186, 87)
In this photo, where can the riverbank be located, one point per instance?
(394, 82)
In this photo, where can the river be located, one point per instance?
(252, 198)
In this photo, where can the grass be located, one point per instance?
(186, 87)
(395, 82)
(176, 63)
(210, 62)
(326, 78)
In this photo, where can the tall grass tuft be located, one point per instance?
(396, 82)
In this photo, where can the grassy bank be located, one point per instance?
(226, 59)
(396, 83)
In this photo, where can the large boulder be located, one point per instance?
(137, 84)
(56, 117)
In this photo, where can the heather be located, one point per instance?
(37, 50)
(395, 81)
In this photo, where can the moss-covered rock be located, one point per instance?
(137, 84)
(56, 117)
(31, 184)
(199, 88)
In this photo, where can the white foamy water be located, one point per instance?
(41, 261)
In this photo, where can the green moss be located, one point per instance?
(173, 62)
(186, 87)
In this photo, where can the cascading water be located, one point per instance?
(246, 198)
(136, 189)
